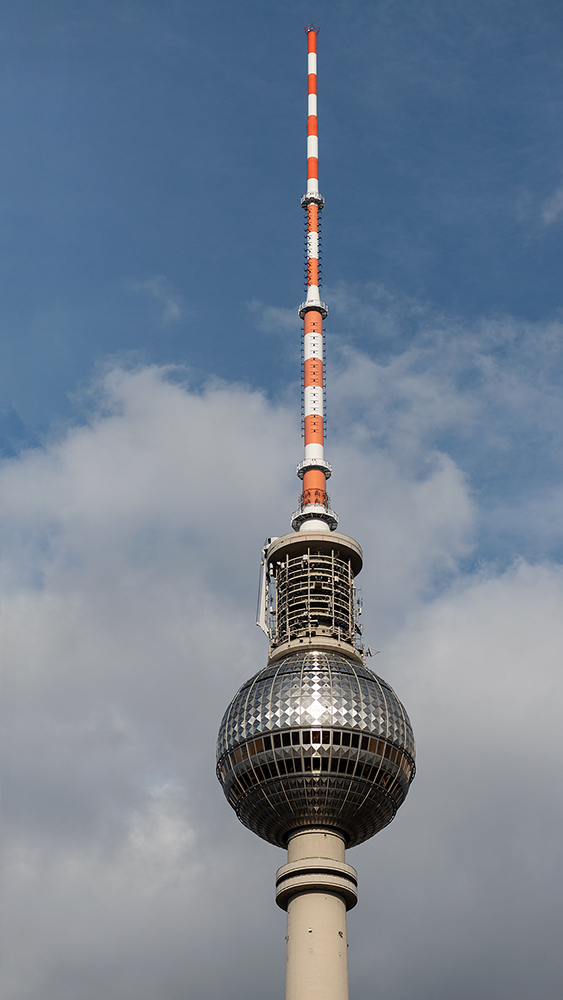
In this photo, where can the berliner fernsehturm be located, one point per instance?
(315, 753)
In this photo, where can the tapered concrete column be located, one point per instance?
(316, 887)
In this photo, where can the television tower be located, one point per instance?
(315, 752)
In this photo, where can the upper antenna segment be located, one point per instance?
(314, 513)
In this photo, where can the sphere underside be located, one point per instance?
(315, 739)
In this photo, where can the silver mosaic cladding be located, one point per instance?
(315, 689)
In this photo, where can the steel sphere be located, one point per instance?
(315, 739)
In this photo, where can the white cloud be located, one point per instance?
(487, 393)
(469, 870)
(130, 563)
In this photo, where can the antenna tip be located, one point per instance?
(312, 27)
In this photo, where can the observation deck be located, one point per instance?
(308, 596)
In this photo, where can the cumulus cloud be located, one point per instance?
(476, 850)
(487, 393)
(130, 563)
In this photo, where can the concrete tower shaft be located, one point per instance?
(316, 887)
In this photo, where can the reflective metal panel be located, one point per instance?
(280, 782)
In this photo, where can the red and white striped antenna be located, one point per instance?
(314, 513)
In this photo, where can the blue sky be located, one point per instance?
(152, 163)
(165, 141)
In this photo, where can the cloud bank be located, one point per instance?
(130, 563)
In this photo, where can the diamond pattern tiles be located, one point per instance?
(315, 689)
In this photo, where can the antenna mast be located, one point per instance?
(314, 513)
